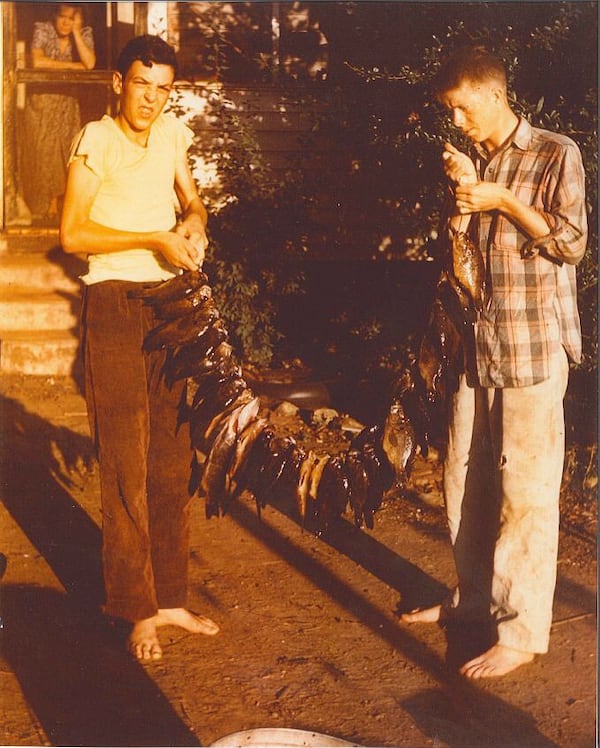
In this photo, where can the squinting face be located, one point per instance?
(473, 109)
(144, 93)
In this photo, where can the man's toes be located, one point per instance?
(145, 650)
(206, 626)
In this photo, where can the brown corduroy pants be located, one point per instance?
(144, 460)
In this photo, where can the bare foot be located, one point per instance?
(423, 615)
(187, 620)
(497, 661)
(143, 641)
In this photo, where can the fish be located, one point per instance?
(196, 466)
(182, 330)
(225, 394)
(431, 364)
(211, 376)
(377, 482)
(214, 478)
(440, 353)
(174, 288)
(368, 435)
(179, 307)
(332, 492)
(217, 362)
(316, 473)
(280, 449)
(250, 473)
(399, 443)
(229, 395)
(212, 483)
(186, 360)
(417, 410)
(286, 486)
(468, 268)
(358, 484)
(303, 484)
(243, 445)
(237, 449)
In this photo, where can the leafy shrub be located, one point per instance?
(378, 196)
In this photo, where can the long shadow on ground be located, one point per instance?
(74, 673)
(459, 713)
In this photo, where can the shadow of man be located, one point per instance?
(72, 668)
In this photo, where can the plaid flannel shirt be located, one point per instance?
(531, 296)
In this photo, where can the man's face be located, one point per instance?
(144, 93)
(474, 109)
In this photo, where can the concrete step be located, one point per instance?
(30, 309)
(52, 270)
(41, 352)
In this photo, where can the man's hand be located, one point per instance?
(180, 250)
(192, 228)
(459, 168)
(482, 196)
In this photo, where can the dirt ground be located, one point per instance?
(309, 632)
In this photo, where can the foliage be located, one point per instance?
(378, 194)
(257, 230)
(393, 129)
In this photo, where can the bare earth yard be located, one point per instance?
(309, 632)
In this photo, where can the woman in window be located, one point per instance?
(53, 119)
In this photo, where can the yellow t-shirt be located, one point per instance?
(136, 192)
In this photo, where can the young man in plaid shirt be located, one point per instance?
(523, 195)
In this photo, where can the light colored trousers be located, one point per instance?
(502, 476)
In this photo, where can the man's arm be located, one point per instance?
(488, 196)
(561, 232)
(195, 217)
(79, 234)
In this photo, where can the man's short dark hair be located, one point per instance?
(149, 50)
(473, 64)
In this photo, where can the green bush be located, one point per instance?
(379, 195)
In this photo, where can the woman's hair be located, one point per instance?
(474, 64)
(77, 6)
(149, 50)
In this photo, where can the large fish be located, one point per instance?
(468, 268)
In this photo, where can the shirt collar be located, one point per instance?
(521, 138)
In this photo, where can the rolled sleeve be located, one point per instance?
(567, 218)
